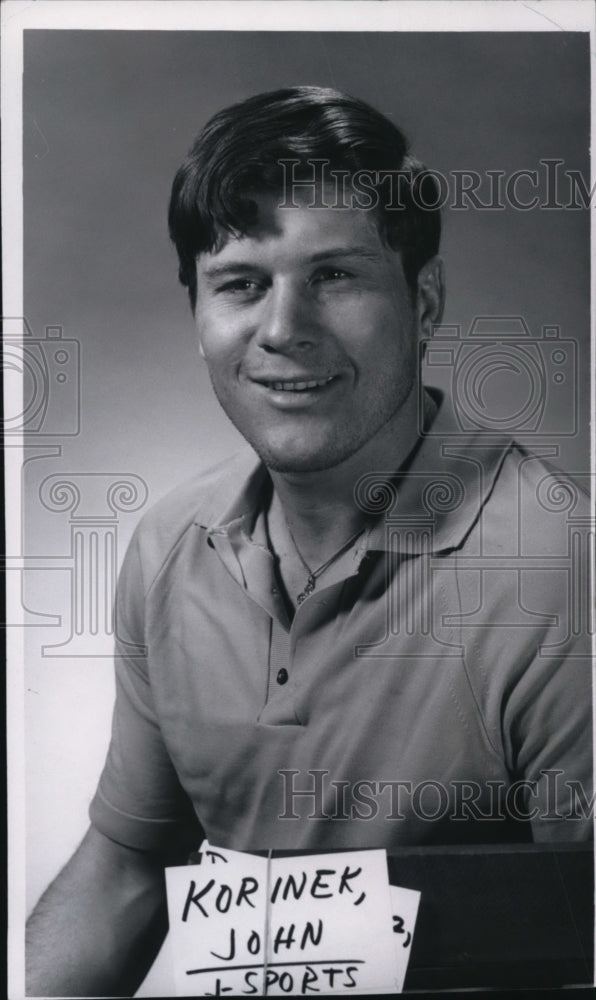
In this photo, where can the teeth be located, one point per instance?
(299, 386)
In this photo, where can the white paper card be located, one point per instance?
(217, 911)
(404, 910)
(242, 925)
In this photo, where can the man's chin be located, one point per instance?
(295, 461)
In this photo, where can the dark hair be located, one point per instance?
(239, 151)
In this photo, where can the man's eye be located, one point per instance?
(331, 274)
(239, 285)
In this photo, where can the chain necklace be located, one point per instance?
(313, 575)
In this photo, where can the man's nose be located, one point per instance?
(288, 320)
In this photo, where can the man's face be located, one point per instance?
(308, 332)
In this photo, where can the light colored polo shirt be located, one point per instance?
(434, 688)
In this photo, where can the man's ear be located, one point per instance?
(430, 300)
(197, 324)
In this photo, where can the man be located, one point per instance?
(326, 641)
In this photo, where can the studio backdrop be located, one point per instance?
(118, 407)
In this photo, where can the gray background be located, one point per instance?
(108, 116)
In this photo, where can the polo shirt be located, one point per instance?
(434, 688)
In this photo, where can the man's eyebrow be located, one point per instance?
(243, 267)
(363, 252)
(221, 270)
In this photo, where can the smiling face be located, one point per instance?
(310, 336)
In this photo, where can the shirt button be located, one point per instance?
(282, 676)
(274, 590)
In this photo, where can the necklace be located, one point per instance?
(313, 575)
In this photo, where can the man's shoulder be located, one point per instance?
(534, 507)
(530, 476)
(200, 497)
(198, 500)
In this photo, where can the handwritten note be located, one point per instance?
(404, 910)
(246, 925)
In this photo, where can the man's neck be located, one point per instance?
(319, 510)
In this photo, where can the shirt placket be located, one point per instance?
(251, 564)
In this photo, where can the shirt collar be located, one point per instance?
(430, 504)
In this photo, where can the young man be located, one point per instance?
(328, 641)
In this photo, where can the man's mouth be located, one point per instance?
(296, 385)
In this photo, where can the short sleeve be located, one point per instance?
(139, 801)
(549, 719)
(535, 679)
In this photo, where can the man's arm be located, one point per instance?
(97, 929)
